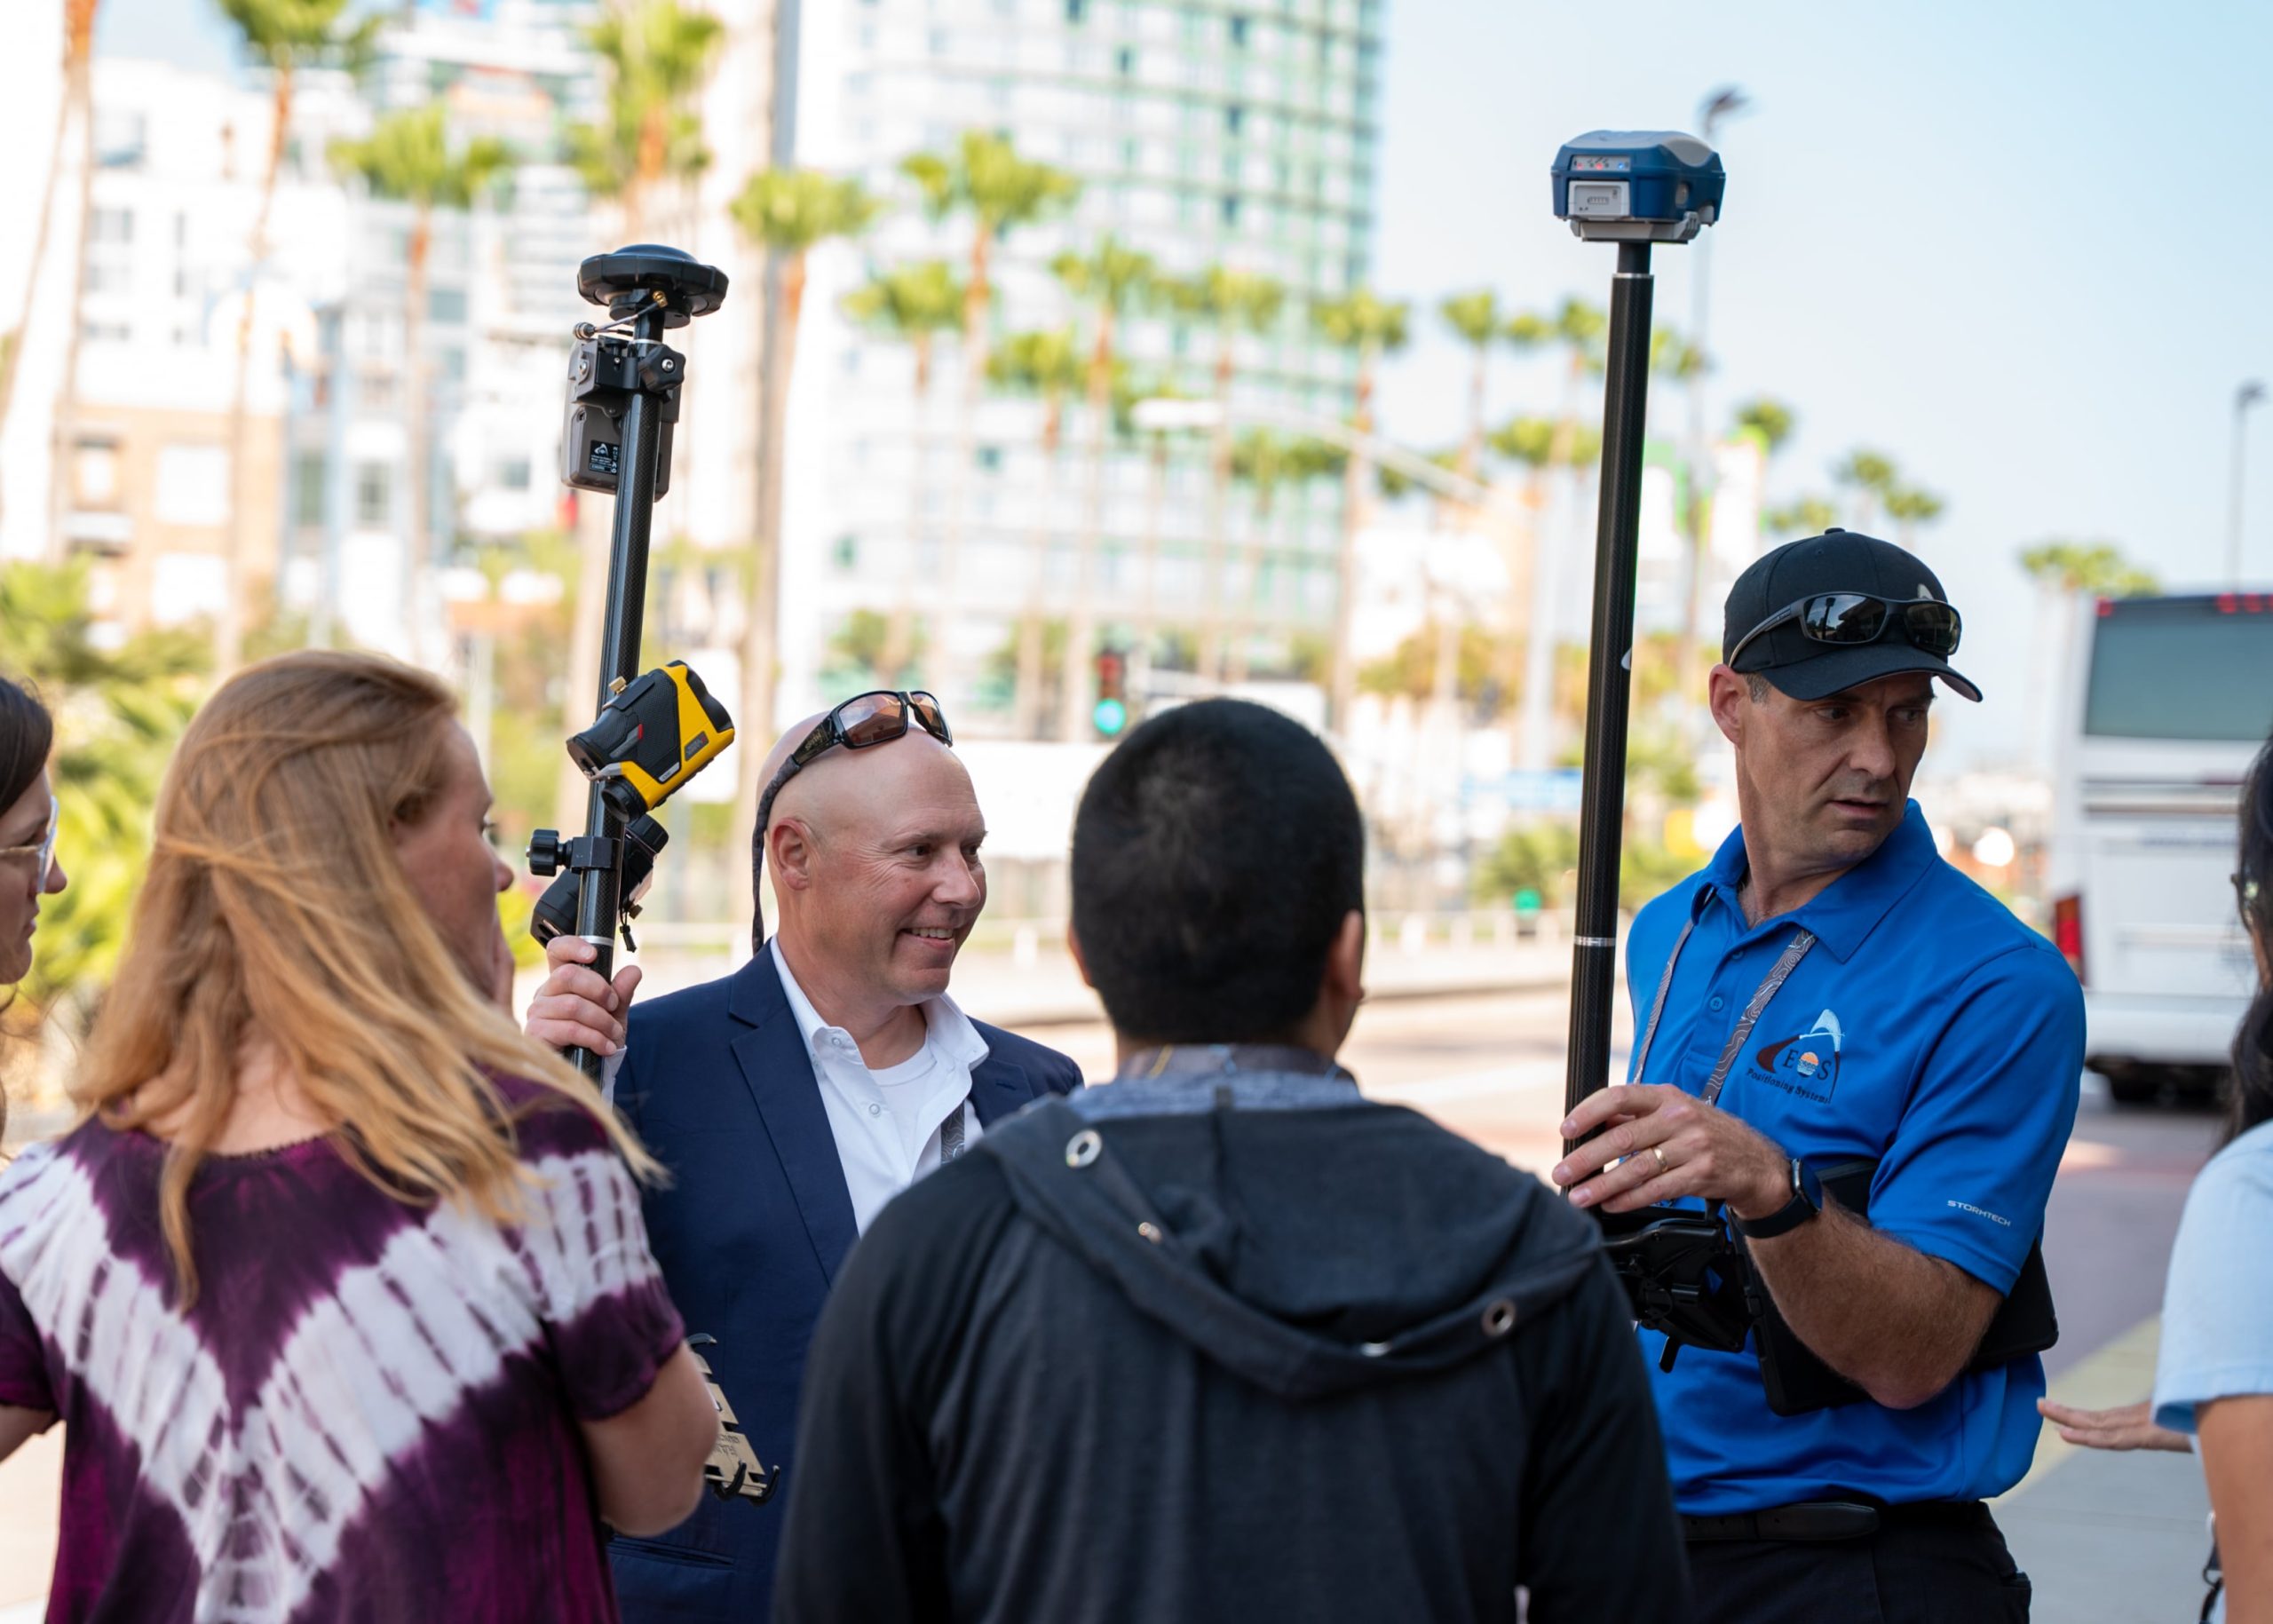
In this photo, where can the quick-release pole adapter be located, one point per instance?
(1633, 189)
(653, 732)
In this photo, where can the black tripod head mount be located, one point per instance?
(627, 280)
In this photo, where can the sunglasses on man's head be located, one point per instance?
(865, 719)
(1850, 619)
(45, 849)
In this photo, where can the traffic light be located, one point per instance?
(1110, 713)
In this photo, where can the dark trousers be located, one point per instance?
(1945, 1565)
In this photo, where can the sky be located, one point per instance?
(2021, 247)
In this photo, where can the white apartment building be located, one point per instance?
(137, 475)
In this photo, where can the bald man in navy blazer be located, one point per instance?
(790, 1100)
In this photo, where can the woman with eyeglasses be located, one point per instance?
(29, 869)
(341, 1287)
(2214, 1379)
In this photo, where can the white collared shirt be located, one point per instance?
(887, 1123)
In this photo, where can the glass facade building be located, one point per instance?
(1203, 134)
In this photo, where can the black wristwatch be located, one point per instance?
(1807, 1200)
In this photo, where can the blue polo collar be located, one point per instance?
(1844, 914)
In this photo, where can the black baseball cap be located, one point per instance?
(1836, 561)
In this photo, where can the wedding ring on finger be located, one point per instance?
(1658, 1151)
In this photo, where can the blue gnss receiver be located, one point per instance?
(1638, 185)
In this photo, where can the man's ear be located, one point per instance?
(1345, 961)
(1731, 697)
(1074, 947)
(789, 853)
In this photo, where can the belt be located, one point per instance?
(1824, 1520)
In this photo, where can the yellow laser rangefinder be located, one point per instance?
(653, 735)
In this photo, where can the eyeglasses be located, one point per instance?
(865, 719)
(1849, 619)
(45, 849)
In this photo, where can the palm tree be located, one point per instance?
(128, 705)
(1910, 506)
(2097, 567)
(914, 304)
(1807, 516)
(1235, 302)
(1048, 364)
(1002, 191)
(1262, 460)
(1673, 358)
(657, 54)
(287, 35)
(1156, 490)
(1368, 326)
(1573, 446)
(407, 158)
(2065, 572)
(1526, 331)
(787, 213)
(1770, 420)
(77, 100)
(1870, 475)
(1475, 317)
(1110, 280)
(1578, 328)
(1268, 462)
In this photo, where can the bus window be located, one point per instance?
(2182, 668)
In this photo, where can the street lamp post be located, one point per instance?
(2251, 393)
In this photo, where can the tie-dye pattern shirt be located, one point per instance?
(370, 1412)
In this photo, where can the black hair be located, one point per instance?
(1215, 854)
(26, 735)
(2252, 1100)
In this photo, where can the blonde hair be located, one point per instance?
(275, 908)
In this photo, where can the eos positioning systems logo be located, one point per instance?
(1806, 1064)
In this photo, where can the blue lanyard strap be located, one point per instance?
(1770, 985)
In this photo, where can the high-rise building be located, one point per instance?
(1238, 135)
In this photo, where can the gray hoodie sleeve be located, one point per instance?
(1599, 1539)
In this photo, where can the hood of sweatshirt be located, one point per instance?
(1312, 1251)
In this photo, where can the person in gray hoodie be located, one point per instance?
(1222, 1340)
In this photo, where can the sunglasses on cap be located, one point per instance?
(1846, 620)
(866, 719)
(45, 849)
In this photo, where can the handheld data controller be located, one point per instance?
(1638, 185)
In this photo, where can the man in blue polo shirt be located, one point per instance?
(1828, 991)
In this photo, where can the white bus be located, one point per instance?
(2167, 700)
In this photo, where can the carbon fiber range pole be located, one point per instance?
(599, 884)
(1609, 671)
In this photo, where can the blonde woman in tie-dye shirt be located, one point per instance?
(341, 1290)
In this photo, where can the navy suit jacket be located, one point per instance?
(753, 1227)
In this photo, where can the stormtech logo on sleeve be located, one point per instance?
(1806, 1064)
